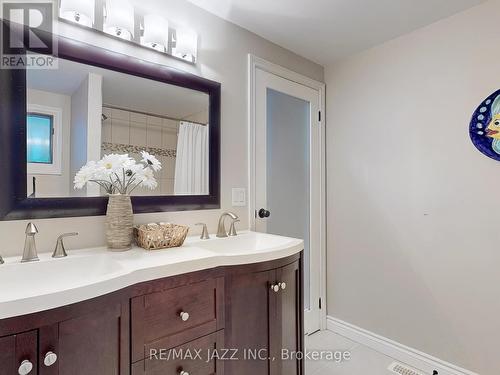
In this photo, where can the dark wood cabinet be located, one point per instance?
(197, 357)
(289, 332)
(88, 344)
(248, 309)
(265, 321)
(18, 349)
(238, 318)
(171, 317)
(87, 338)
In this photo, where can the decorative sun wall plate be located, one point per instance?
(484, 127)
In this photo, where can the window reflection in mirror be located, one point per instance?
(39, 130)
(80, 113)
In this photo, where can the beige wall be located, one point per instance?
(222, 57)
(413, 234)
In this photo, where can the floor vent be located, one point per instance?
(399, 368)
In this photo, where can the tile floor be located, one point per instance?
(363, 359)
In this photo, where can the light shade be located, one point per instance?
(155, 32)
(186, 44)
(119, 19)
(78, 11)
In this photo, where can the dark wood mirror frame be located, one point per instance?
(14, 204)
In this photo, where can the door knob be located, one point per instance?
(25, 367)
(50, 359)
(275, 288)
(263, 213)
(184, 316)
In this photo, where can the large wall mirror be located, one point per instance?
(78, 113)
(97, 103)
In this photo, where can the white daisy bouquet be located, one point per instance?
(120, 174)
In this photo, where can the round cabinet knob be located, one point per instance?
(182, 372)
(50, 359)
(25, 367)
(275, 288)
(184, 316)
(283, 286)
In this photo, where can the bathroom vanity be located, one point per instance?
(217, 306)
(225, 305)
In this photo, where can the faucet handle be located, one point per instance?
(60, 250)
(29, 252)
(204, 232)
(232, 228)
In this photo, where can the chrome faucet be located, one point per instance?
(29, 253)
(60, 250)
(221, 231)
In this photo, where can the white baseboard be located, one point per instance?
(393, 349)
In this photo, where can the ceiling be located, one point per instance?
(328, 30)
(122, 90)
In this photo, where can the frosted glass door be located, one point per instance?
(287, 173)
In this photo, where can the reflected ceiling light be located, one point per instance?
(155, 32)
(186, 44)
(119, 19)
(78, 11)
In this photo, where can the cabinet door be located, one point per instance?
(289, 320)
(249, 301)
(18, 348)
(87, 345)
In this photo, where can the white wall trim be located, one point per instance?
(255, 63)
(391, 348)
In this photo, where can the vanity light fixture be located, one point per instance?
(119, 19)
(186, 44)
(78, 11)
(155, 32)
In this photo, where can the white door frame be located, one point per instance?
(255, 63)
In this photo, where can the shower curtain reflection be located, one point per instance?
(191, 168)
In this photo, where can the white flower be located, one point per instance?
(147, 178)
(119, 173)
(114, 163)
(85, 174)
(151, 161)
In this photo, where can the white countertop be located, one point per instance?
(36, 286)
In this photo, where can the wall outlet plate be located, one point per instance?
(239, 197)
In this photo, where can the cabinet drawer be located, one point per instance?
(156, 319)
(198, 357)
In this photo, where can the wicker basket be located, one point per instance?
(160, 235)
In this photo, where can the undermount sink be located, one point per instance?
(248, 242)
(40, 277)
